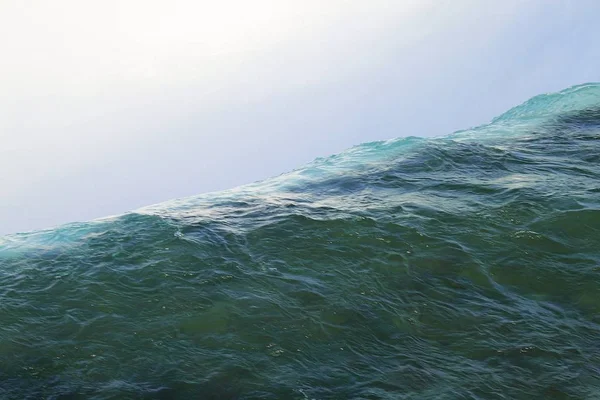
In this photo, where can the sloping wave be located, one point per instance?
(464, 266)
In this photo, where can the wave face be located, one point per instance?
(461, 267)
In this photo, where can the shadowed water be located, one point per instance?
(462, 267)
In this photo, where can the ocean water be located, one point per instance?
(459, 267)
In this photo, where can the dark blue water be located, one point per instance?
(462, 267)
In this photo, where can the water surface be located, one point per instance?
(461, 267)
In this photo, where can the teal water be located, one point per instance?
(461, 267)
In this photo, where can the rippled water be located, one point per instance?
(463, 267)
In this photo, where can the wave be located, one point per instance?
(463, 266)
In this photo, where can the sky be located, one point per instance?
(109, 106)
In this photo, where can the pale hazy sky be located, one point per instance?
(107, 106)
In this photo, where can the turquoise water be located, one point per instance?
(461, 267)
